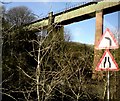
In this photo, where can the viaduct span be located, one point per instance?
(79, 13)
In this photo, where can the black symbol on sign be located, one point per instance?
(107, 59)
(109, 40)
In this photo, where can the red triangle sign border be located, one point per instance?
(107, 69)
(117, 46)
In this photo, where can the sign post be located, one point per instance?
(107, 62)
(108, 86)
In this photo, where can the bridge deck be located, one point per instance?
(78, 14)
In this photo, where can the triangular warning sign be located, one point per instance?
(107, 62)
(107, 41)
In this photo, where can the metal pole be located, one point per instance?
(108, 87)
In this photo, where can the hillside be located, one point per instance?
(65, 71)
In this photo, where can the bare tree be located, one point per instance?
(67, 35)
(61, 71)
(19, 15)
(119, 35)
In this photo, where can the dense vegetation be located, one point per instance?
(64, 69)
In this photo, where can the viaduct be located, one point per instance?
(82, 12)
(79, 13)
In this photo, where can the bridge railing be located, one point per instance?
(79, 4)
